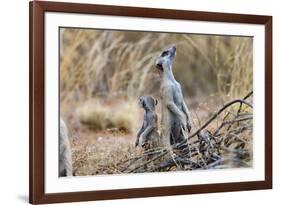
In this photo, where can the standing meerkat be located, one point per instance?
(176, 117)
(65, 159)
(148, 133)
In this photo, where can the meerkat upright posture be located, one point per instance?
(176, 117)
(148, 133)
(65, 160)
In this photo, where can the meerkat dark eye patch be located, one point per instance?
(159, 66)
(165, 53)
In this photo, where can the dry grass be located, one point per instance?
(101, 63)
(99, 115)
(103, 158)
(231, 62)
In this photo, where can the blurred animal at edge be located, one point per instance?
(65, 158)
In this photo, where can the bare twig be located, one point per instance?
(214, 116)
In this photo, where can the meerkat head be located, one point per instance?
(148, 102)
(165, 60)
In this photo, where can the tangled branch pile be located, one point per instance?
(229, 145)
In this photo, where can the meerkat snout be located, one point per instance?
(174, 49)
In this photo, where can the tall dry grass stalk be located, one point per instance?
(230, 61)
(116, 63)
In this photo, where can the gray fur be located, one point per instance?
(148, 134)
(65, 160)
(176, 117)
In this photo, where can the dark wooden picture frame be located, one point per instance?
(37, 10)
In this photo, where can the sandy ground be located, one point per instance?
(103, 144)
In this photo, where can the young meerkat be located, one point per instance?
(148, 136)
(176, 117)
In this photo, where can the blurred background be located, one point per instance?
(104, 72)
(103, 62)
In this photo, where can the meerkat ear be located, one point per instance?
(155, 101)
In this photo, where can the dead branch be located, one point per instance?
(218, 113)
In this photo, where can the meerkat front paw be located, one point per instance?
(183, 122)
(144, 145)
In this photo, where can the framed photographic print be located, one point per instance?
(140, 102)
